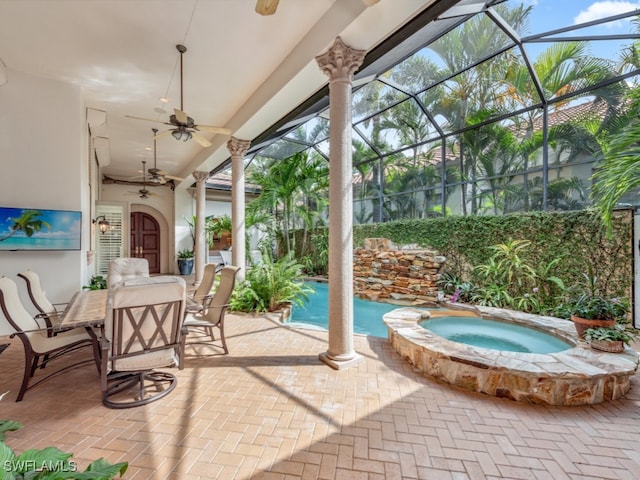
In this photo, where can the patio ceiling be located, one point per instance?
(242, 70)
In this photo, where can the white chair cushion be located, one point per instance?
(158, 359)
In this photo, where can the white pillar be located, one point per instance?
(201, 248)
(339, 64)
(238, 148)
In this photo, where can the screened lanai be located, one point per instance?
(491, 108)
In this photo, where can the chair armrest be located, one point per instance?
(49, 330)
(60, 307)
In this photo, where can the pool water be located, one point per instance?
(481, 332)
(476, 331)
(367, 315)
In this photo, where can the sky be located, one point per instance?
(552, 14)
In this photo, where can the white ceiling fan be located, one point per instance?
(185, 126)
(269, 7)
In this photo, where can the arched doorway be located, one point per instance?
(145, 239)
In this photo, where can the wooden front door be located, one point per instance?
(145, 239)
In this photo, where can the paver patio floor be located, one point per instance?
(271, 410)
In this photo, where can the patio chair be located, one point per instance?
(143, 331)
(201, 297)
(213, 317)
(125, 268)
(40, 348)
(226, 258)
(47, 311)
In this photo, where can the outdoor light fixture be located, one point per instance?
(102, 224)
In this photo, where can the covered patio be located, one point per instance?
(270, 409)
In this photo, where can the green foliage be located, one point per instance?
(49, 463)
(185, 254)
(616, 333)
(509, 281)
(214, 227)
(560, 245)
(97, 282)
(619, 172)
(270, 285)
(586, 299)
(316, 261)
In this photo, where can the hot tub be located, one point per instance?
(577, 375)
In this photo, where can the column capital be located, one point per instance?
(237, 146)
(200, 176)
(341, 61)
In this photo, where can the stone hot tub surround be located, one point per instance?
(577, 376)
(386, 272)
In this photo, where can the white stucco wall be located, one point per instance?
(43, 164)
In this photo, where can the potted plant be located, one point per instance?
(592, 311)
(185, 261)
(588, 307)
(218, 231)
(610, 339)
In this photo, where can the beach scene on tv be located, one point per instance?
(37, 229)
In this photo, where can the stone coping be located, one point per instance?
(576, 376)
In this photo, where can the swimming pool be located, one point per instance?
(367, 315)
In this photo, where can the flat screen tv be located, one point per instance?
(39, 229)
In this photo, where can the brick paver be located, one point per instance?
(271, 410)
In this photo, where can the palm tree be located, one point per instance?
(619, 172)
(28, 222)
(288, 188)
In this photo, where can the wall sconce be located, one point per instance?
(102, 224)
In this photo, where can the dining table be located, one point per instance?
(88, 309)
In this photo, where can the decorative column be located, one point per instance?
(238, 148)
(339, 64)
(200, 247)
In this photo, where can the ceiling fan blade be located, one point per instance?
(171, 177)
(200, 139)
(147, 119)
(163, 134)
(181, 116)
(266, 7)
(211, 128)
(159, 179)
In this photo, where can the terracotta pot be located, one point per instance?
(614, 346)
(583, 324)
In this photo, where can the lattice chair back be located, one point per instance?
(143, 331)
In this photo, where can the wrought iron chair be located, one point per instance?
(213, 317)
(125, 268)
(143, 331)
(198, 302)
(40, 348)
(49, 312)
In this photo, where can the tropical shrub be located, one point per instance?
(271, 285)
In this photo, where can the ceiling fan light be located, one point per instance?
(186, 136)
